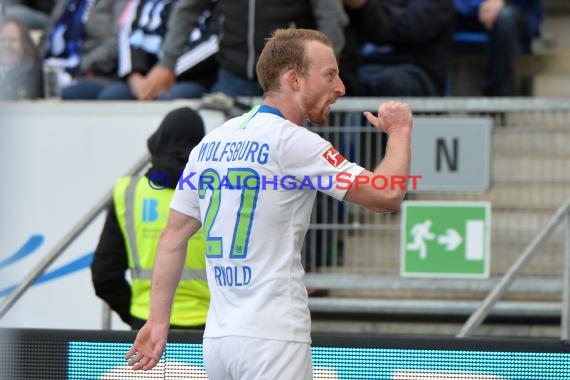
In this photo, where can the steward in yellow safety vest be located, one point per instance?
(138, 214)
(142, 212)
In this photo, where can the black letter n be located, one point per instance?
(451, 159)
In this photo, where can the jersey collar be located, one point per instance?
(260, 109)
(268, 109)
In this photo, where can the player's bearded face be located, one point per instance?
(317, 108)
(322, 85)
(319, 94)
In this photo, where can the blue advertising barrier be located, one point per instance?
(73, 354)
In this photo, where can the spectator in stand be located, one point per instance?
(404, 47)
(510, 27)
(148, 70)
(20, 68)
(244, 26)
(81, 40)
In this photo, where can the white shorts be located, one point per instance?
(243, 358)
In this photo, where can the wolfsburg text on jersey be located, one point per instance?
(247, 151)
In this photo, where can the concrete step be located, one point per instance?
(527, 170)
(535, 135)
(545, 62)
(375, 248)
(431, 307)
(549, 70)
(379, 252)
(513, 195)
(344, 280)
(393, 325)
(556, 7)
(551, 85)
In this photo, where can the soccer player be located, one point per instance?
(258, 324)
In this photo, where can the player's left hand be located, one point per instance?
(148, 346)
(393, 117)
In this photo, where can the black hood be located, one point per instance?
(169, 146)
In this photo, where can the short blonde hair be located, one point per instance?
(285, 50)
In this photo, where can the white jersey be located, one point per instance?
(252, 183)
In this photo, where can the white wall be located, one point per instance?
(57, 160)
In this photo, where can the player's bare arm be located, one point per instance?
(170, 258)
(394, 118)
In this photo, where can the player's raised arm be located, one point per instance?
(396, 120)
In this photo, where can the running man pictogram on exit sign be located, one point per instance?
(445, 239)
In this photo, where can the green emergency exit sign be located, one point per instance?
(445, 239)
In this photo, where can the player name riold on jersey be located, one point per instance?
(232, 275)
(247, 151)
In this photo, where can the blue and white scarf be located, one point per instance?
(150, 27)
(147, 31)
(64, 45)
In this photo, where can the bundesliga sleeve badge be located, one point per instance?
(333, 157)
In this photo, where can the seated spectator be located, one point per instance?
(404, 47)
(80, 42)
(510, 27)
(32, 13)
(148, 71)
(245, 27)
(20, 68)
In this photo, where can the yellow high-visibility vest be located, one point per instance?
(142, 213)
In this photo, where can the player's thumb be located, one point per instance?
(381, 122)
(375, 121)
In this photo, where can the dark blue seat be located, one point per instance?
(460, 37)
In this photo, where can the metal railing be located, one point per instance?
(216, 102)
(530, 179)
(561, 217)
(353, 252)
(65, 242)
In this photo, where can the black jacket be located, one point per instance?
(169, 146)
(238, 51)
(244, 25)
(419, 32)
